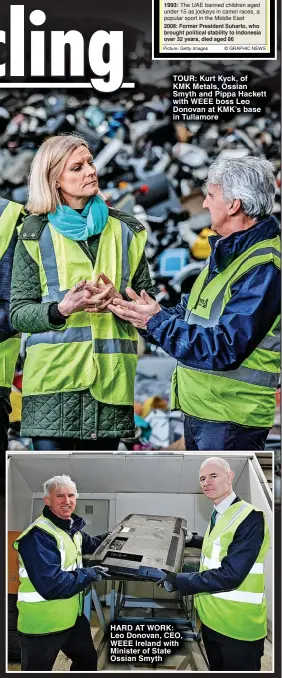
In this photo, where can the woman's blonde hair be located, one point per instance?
(47, 165)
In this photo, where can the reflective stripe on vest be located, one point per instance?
(272, 343)
(84, 334)
(249, 376)
(241, 596)
(23, 573)
(32, 597)
(63, 337)
(126, 235)
(213, 563)
(245, 395)
(239, 613)
(101, 349)
(216, 308)
(49, 263)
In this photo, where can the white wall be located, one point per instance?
(259, 500)
(181, 505)
(123, 471)
(242, 486)
(19, 499)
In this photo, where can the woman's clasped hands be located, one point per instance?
(93, 296)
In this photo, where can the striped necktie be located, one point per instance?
(213, 519)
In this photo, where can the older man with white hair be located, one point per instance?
(52, 581)
(229, 588)
(225, 334)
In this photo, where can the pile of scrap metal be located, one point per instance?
(146, 164)
(152, 167)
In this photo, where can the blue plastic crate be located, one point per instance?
(171, 261)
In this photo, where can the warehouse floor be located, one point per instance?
(190, 658)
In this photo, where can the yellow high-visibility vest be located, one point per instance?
(9, 348)
(240, 613)
(245, 395)
(93, 350)
(36, 614)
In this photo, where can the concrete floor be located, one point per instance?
(190, 658)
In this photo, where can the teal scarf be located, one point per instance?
(80, 225)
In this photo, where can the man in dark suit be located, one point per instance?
(229, 588)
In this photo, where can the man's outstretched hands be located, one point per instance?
(138, 311)
(100, 295)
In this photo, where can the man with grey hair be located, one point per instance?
(229, 588)
(52, 582)
(225, 334)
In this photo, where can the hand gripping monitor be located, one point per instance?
(141, 546)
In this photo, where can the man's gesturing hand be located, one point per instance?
(138, 311)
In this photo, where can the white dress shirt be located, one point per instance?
(224, 504)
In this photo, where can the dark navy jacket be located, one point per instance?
(241, 556)
(247, 317)
(42, 559)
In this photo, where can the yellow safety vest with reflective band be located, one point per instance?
(9, 349)
(93, 350)
(37, 615)
(245, 395)
(240, 613)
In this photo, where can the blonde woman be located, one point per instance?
(74, 255)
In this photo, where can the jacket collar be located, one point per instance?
(225, 250)
(75, 524)
(225, 503)
(229, 513)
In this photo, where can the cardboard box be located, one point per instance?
(13, 563)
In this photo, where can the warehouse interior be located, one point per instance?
(113, 485)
